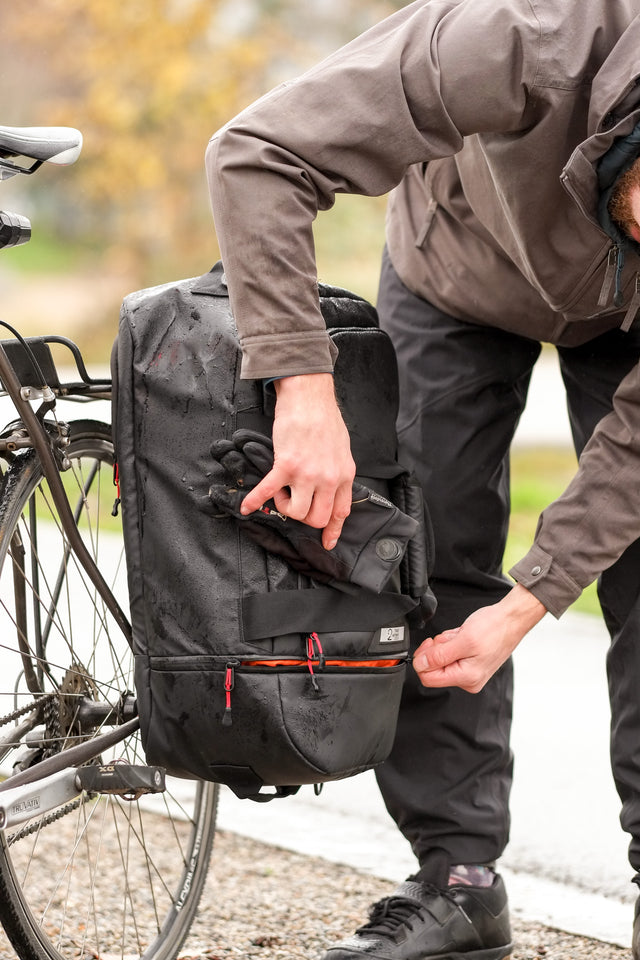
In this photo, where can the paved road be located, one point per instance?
(545, 419)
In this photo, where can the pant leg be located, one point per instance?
(591, 374)
(463, 387)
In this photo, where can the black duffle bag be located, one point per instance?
(256, 664)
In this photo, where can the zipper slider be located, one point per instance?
(229, 683)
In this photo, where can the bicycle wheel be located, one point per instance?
(99, 876)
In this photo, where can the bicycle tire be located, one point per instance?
(109, 876)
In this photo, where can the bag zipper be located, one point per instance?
(315, 657)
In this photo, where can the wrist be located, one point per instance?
(523, 608)
(305, 384)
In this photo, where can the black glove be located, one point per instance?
(373, 539)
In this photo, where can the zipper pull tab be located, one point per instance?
(609, 274)
(315, 639)
(116, 483)
(312, 639)
(618, 299)
(634, 306)
(229, 683)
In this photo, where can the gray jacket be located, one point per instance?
(486, 120)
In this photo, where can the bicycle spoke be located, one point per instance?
(67, 668)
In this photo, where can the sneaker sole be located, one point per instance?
(495, 953)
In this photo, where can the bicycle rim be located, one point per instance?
(100, 876)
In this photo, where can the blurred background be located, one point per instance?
(148, 82)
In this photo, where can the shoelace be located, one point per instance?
(388, 915)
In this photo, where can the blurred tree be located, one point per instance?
(148, 82)
(320, 26)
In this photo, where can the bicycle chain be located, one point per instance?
(46, 820)
(51, 719)
(20, 712)
(53, 728)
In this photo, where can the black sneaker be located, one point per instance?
(423, 922)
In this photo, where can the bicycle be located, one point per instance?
(99, 854)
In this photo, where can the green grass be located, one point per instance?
(538, 476)
(44, 254)
(95, 518)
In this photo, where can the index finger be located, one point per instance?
(268, 487)
(340, 512)
(453, 675)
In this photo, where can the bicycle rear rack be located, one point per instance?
(33, 364)
(20, 393)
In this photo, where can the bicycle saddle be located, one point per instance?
(56, 144)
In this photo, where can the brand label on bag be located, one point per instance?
(391, 635)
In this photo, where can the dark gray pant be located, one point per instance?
(463, 388)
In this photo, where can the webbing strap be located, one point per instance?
(324, 610)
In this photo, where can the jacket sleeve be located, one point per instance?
(584, 531)
(405, 92)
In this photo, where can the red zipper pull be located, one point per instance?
(321, 658)
(229, 683)
(313, 639)
(116, 483)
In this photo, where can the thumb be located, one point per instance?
(432, 653)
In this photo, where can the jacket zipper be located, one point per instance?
(613, 270)
(633, 308)
(615, 261)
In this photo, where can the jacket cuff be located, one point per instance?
(547, 581)
(267, 357)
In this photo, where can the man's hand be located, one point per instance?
(468, 656)
(313, 468)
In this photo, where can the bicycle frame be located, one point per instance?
(41, 443)
(55, 779)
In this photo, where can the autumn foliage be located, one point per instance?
(147, 82)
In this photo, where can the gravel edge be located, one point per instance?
(265, 902)
(261, 901)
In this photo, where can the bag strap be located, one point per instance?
(278, 794)
(323, 610)
(417, 564)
